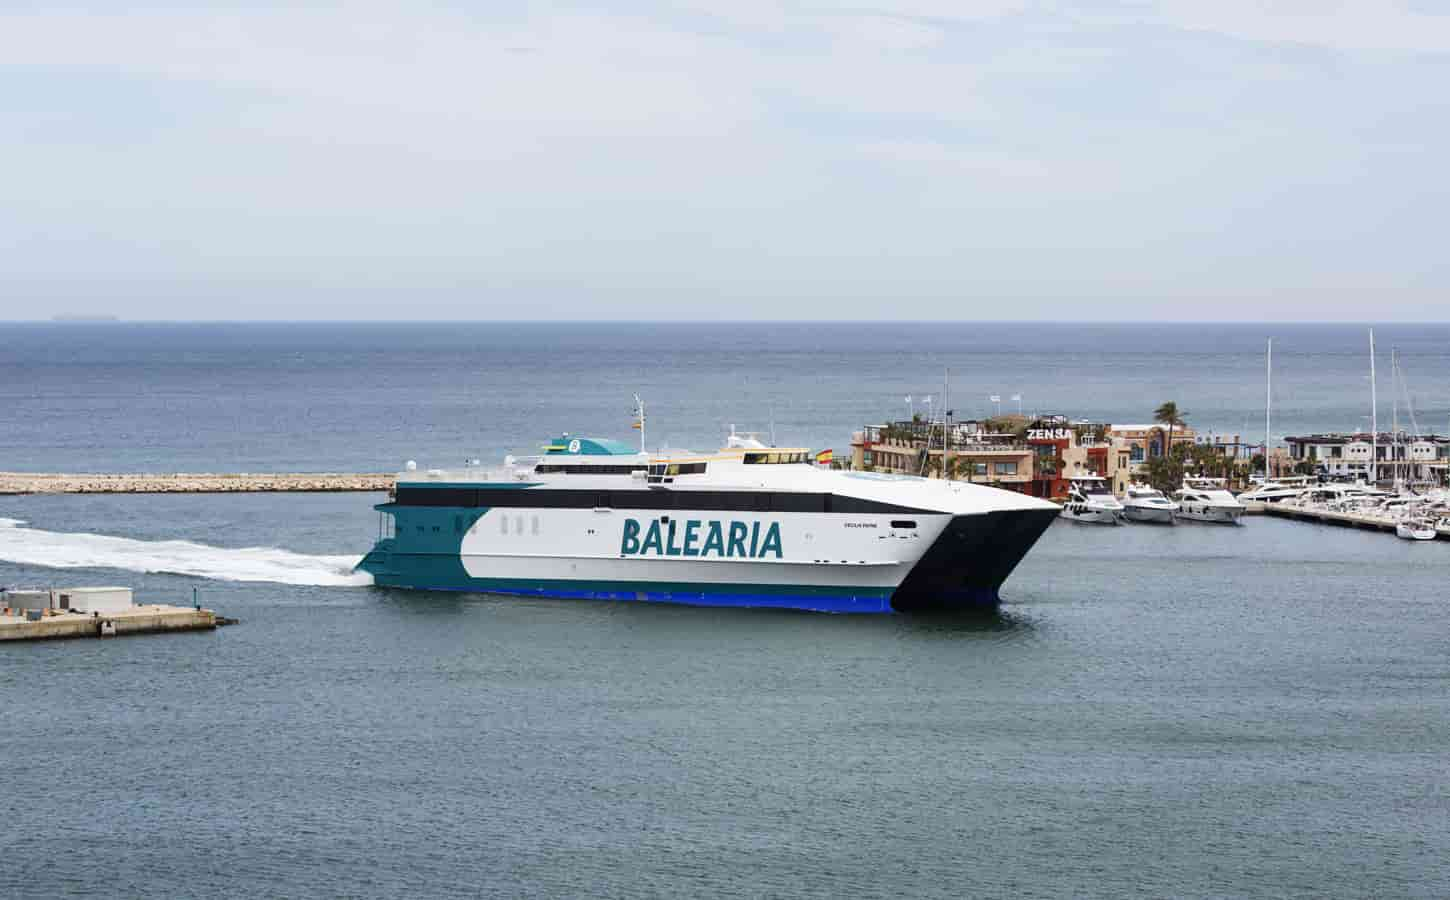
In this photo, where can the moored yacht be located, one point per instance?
(1276, 490)
(1144, 504)
(1090, 500)
(1207, 500)
(748, 525)
(1416, 529)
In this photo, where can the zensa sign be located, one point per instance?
(1049, 434)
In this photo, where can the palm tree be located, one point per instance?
(1168, 414)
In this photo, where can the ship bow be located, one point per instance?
(968, 562)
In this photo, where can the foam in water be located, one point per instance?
(30, 546)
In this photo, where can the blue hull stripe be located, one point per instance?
(683, 595)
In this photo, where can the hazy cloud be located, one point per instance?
(683, 159)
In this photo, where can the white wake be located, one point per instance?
(58, 550)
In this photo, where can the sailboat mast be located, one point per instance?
(946, 447)
(1268, 401)
(1374, 427)
(1395, 428)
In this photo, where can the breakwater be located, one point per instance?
(191, 482)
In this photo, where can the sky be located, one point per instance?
(1278, 160)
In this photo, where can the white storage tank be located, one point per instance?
(94, 599)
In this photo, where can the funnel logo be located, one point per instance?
(696, 538)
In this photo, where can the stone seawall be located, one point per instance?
(137, 620)
(190, 483)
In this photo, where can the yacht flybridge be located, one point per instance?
(747, 525)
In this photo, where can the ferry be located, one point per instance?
(750, 525)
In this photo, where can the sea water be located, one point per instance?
(1188, 711)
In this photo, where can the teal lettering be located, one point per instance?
(630, 543)
(670, 548)
(692, 529)
(772, 540)
(738, 531)
(652, 539)
(714, 540)
(754, 538)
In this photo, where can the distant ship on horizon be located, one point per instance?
(85, 317)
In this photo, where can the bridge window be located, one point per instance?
(773, 458)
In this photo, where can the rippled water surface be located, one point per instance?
(365, 397)
(1196, 711)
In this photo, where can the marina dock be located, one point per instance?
(1327, 517)
(192, 483)
(136, 620)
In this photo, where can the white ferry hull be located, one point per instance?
(814, 561)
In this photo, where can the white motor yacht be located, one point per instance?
(1276, 490)
(1207, 500)
(1144, 504)
(1089, 500)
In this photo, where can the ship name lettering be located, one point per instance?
(698, 538)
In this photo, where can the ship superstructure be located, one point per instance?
(748, 525)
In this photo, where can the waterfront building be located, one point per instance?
(1424, 459)
(973, 451)
(1063, 449)
(1145, 442)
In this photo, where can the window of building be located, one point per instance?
(1005, 468)
(979, 468)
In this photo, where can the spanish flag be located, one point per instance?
(637, 425)
(823, 458)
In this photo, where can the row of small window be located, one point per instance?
(723, 501)
(757, 459)
(518, 525)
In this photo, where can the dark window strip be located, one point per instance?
(547, 468)
(722, 501)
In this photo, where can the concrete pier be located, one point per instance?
(1348, 520)
(136, 620)
(182, 482)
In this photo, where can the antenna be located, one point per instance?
(639, 414)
